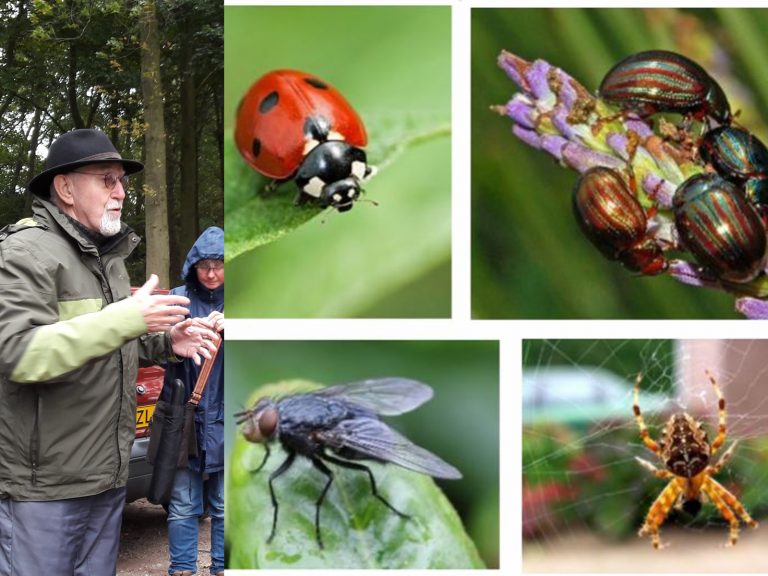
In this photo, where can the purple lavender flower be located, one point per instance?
(556, 114)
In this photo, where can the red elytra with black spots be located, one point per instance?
(272, 120)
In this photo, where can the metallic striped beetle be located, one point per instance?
(612, 219)
(663, 81)
(720, 228)
(735, 153)
(742, 158)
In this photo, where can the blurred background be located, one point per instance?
(460, 424)
(392, 260)
(584, 494)
(529, 259)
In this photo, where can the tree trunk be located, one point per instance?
(188, 201)
(155, 201)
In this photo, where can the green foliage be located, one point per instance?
(390, 260)
(529, 257)
(654, 358)
(358, 531)
(76, 65)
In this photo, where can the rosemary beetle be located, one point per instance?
(611, 217)
(662, 81)
(720, 227)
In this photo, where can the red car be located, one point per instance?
(148, 387)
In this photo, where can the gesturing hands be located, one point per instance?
(194, 337)
(160, 311)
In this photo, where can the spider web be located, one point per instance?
(584, 494)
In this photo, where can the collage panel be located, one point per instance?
(644, 456)
(338, 161)
(111, 281)
(617, 164)
(379, 454)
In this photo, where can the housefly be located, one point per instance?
(341, 425)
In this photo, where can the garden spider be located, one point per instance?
(685, 452)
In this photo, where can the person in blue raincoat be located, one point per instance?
(203, 275)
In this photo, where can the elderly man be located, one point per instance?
(72, 339)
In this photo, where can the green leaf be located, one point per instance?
(255, 218)
(358, 530)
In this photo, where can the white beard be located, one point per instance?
(109, 225)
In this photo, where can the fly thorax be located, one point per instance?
(332, 172)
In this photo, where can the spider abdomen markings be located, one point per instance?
(686, 448)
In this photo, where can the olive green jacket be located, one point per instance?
(70, 344)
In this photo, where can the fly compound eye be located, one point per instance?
(250, 429)
(268, 422)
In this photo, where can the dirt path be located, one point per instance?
(144, 542)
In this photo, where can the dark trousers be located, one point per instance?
(73, 537)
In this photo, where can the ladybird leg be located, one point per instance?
(274, 185)
(659, 510)
(644, 435)
(302, 199)
(658, 472)
(714, 469)
(732, 502)
(721, 414)
(714, 492)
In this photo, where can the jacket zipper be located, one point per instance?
(110, 299)
(34, 445)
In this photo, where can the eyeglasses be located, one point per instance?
(208, 265)
(110, 180)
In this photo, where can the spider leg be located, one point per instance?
(715, 496)
(715, 468)
(659, 473)
(659, 510)
(649, 442)
(727, 504)
(721, 434)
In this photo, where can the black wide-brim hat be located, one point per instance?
(78, 148)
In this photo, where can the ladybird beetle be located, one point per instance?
(294, 126)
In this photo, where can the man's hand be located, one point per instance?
(194, 338)
(160, 311)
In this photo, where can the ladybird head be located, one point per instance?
(260, 423)
(332, 172)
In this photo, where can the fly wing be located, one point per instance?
(385, 396)
(373, 438)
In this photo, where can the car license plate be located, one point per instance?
(144, 415)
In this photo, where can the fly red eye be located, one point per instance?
(251, 430)
(268, 422)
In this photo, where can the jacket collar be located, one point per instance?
(48, 213)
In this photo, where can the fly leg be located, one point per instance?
(281, 470)
(374, 491)
(327, 471)
(266, 455)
